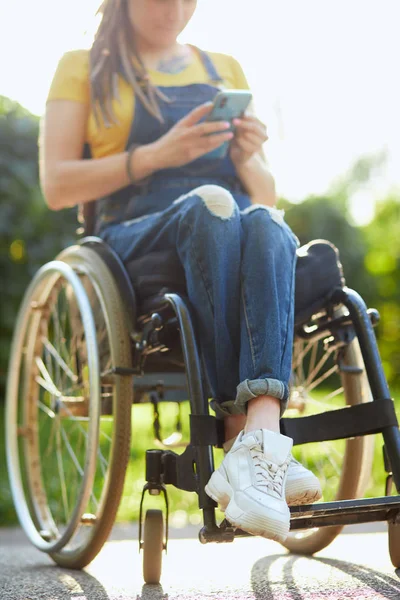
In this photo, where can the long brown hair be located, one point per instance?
(114, 53)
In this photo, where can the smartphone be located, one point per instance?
(228, 105)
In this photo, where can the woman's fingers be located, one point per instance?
(251, 124)
(248, 120)
(252, 138)
(249, 137)
(196, 114)
(206, 144)
(210, 127)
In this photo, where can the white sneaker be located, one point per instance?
(250, 484)
(302, 486)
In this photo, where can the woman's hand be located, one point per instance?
(188, 139)
(249, 138)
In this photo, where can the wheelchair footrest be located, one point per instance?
(345, 512)
(340, 512)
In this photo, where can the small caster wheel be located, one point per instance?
(394, 542)
(153, 545)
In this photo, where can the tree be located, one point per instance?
(382, 263)
(327, 218)
(30, 234)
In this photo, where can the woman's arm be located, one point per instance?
(66, 179)
(258, 180)
(249, 159)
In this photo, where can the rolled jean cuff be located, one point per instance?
(247, 390)
(225, 409)
(252, 388)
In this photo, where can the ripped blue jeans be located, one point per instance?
(239, 267)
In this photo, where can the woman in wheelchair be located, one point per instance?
(138, 100)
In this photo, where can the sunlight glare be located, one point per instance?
(322, 74)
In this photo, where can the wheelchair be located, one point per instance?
(94, 335)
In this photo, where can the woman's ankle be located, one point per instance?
(234, 424)
(263, 412)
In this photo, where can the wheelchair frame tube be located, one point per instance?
(373, 365)
(198, 402)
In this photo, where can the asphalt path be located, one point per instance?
(355, 566)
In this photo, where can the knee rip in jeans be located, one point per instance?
(217, 199)
(276, 214)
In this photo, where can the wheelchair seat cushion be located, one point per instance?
(318, 273)
(156, 273)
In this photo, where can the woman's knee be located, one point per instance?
(218, 201)
(259, 219)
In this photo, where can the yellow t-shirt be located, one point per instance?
(71, 82)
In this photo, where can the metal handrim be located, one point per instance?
(39, 289)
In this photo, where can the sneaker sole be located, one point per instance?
(221, 492)
(309, 497)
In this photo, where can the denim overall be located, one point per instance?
(239, 259)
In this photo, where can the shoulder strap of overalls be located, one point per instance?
(208, 64)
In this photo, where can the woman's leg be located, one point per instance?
(204, 227)
(267, 307)
(230, 284)
(267, 299)
(238, 268)
(262, 412)
(252, 483)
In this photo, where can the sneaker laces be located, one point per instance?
(268, 474)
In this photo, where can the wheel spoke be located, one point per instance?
(323, 377)
(313, 357)
(71, 452)
(324, 405)
(49, 346)
(106, 436)
(49, 388)
(102, 461)
(76, 421)
(317, 368)
(299, 356)
(335, 393)
(47, 381)
(47, 410)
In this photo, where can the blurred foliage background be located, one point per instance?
(31, 234)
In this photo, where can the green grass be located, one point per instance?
(183, 505)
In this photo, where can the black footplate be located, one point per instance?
(340, 512)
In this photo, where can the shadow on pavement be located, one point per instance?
(289, 577)
(47, 582)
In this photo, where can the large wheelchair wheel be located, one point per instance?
(67, 414)
(329, 375)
